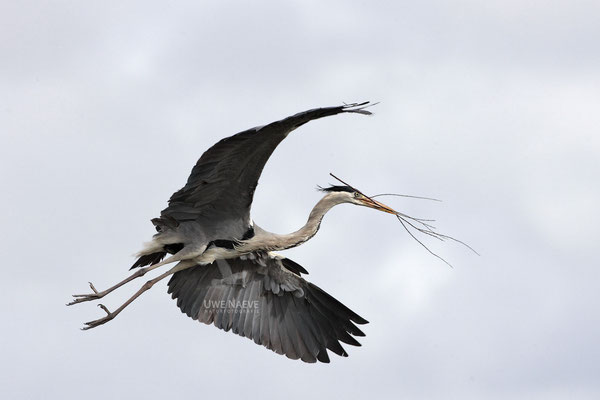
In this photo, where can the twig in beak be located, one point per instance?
(421, 243)
(418, 224)
(428, 231)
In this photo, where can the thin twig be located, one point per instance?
(406, 195)
(405, 219)
(421, 243)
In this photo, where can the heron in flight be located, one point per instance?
(226, 270)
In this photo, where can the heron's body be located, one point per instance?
(254, 239)
(214, 205)
(225, 261)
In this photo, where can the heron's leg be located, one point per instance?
(110, 315)
(186, 253)
(80, 298)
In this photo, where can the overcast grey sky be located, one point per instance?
(491, 106)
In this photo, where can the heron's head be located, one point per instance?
(348, 194)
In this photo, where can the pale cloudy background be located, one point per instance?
(491, 106)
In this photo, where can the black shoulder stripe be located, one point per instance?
(229, 244)
(226, 244)
(173, 248)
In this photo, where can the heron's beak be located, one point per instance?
(367, 202)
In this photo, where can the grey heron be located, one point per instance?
(227, 271)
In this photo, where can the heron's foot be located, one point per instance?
(80, 298)
(101, 321)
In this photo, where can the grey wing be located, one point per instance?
(258, 298)
(221, 185)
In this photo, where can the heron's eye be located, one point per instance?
(356, 194)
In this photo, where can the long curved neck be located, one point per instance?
(273, 241)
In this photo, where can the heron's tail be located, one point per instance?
(149, 259)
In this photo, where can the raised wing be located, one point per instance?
(258, 298)
(220, 189)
